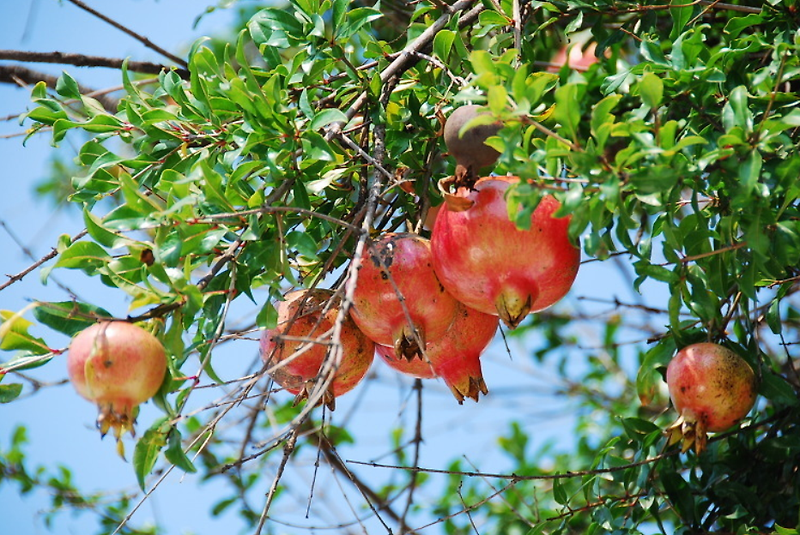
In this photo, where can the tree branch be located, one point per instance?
(142, 39)
(81, 60)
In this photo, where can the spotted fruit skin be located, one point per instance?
(456, 356)
(487, 263)
(401, 262)
(311, 314)
(712, 385)
(118, 366)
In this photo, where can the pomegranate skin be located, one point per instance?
(487, 263)
(401, 262)
(418, 368)
(456, 356)
(303, 314)
(116, 365)
(713, 383)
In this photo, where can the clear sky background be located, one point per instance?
(61, 425)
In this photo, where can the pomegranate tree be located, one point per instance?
(456, 356)
(398, 300)
(712, 388)
(116, 365)
(489, 264)
(296, 349)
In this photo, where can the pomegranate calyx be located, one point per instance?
(473, 389)
(455, 202)
(689, 431)
(406, 345)
(328, 398)
(513, 307)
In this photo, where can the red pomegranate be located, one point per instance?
(712, 388)
(401, 265)
(296, 349)
(116, 365)
(487, 263)
(456, 356)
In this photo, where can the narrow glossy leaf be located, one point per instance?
(443, 43)
(750, 172)
(69, 317)
(651, 89)
(326, 117)
(175, 454)
(10, 392)
(147, 449)
(14, 334)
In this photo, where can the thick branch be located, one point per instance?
(81, 60)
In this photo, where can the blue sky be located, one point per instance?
(61, 424)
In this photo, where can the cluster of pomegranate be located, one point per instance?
(431, 307)
(428, 308)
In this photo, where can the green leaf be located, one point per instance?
(326, 117)
(750, 172)
(175, 454)
(776, 389)
(14, 334)
(10, 392)
(69, 317)
(568, 110)
(443, 43)
(67, 87)
(736, 112)
(147, 448)
(680, 16)
(651, 89)
(83, 255)
(559, 492)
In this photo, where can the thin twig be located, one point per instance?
(142, 39)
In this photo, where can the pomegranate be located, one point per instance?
(118, 366)
(469, 148)
(712, 388)
(487, 263)
(396, 279)
(296, 349)
(575, 57)
(456, 356)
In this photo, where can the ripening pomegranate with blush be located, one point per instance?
(489, 264)
(295, 350)
(712, 388)
(401, 265)
(118, 366)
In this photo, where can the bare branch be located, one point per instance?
(142, 39)
(82, 60)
